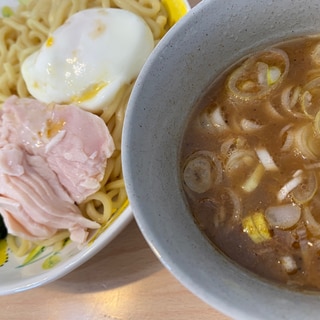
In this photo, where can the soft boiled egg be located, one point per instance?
(89, 58)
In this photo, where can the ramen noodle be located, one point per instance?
(21, 34)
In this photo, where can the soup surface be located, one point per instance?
(250, 163)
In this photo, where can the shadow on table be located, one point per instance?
(126, 259)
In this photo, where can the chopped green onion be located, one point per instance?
(308, 187)
(289, 264)
(283, 216)
(253, 181)
(266, 159)
(273, 75)
(289, 186)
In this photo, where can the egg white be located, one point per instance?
(89, 58)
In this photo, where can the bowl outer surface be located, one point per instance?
(212, 36)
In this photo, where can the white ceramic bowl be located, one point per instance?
(212, 36)
(20, 274)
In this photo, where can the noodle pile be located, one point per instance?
(22, 34)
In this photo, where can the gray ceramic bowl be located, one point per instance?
(212, 36)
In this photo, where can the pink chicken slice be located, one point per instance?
(74, 142)
(50, 158)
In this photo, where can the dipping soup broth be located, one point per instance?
(250, 163)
